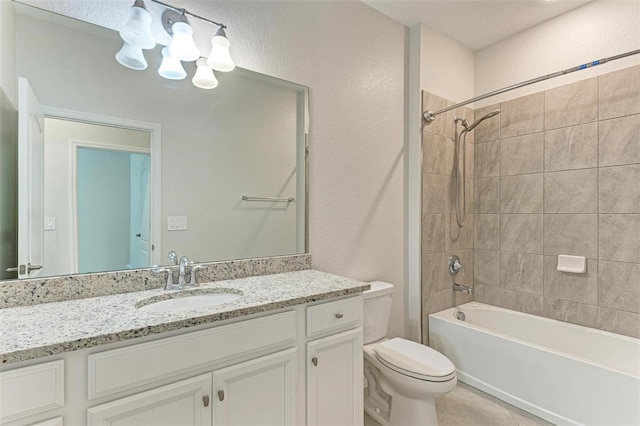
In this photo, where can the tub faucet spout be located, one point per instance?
(463, 288)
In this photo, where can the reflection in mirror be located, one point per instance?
(136, 165)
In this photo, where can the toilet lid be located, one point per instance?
(414, 359)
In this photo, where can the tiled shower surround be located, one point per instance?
(557, 172)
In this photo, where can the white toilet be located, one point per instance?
(403, 376)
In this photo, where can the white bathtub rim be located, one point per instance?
(515, 401)
(444, 316)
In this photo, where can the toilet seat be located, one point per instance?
(415, 360)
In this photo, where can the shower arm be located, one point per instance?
(429, 116)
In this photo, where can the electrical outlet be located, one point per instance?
(176, 223)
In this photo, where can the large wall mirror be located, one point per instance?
(134, 166)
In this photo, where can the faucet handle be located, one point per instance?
(169, 271)
(194, 279)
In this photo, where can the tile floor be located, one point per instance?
(467, 406)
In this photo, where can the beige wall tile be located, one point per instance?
(521, 272)
(618, 237)
(571, 104)
(619, 189)
(522, 302)
(574, 191)
(522, 154)
(489, 130)
(434, 232)
(572, 234)
(581, 288)
(439, 301)
(568, 311)
(436, 195)
(619, 93)
(470, 157)
(459, 238)
(435, 273)
(486, 193)
(431, 102)
(570, 148)
(487, 294)
(621, 322)
(487, 231)
(486, 267)
(487, 159)
(521, 194)
(619, 286)
(438, 155)
(619, 141)
(522, 116)
(521, 233)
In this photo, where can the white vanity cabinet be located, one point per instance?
(184, 403)
(334, 372)
(294, 366)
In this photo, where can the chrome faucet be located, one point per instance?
(455, 266)
(184, 262)
(462, 288)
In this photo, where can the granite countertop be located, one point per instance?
(36, 331)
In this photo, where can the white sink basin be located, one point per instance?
(189, 300)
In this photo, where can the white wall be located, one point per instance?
(446, 67)
(8, 80)
(594, 31)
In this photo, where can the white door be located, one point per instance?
(257, 392)
(334, 380)
(140, 226)
(184, 403)
(31, 183)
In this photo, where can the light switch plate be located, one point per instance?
(176, 223)
(49, 223)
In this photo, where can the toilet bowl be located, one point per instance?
(403, 376)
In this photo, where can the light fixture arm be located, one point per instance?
(183, 12)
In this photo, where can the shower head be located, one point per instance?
(468, 127)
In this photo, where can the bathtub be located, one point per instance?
(564, 373)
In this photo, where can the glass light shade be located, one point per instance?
(131, 57)
(204, 77)
(171, 67)
(220, 57)
(182, 45)
(137, 30)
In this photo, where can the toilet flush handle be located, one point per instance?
(314, 361)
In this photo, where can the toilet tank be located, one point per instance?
(377, 310)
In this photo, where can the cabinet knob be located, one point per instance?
(314, 361)
(205, 400)
(221, 395)
(339, 315)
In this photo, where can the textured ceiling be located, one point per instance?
(475, 24)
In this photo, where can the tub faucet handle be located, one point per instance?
(455, 265)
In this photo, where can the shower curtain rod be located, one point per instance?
(429, 116)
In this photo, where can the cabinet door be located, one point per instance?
(257, 392)
(334, 380)
(183, 403)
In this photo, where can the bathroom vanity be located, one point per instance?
(288, 351)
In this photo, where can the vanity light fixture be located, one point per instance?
(204, 77)
(137, 30)
(137, 36)
(171, 67)
(131, 57)
(220, 57)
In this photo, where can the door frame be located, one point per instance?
(74, 144)
(155, 133)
